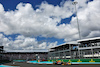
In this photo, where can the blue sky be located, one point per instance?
(11, 4)
(46, 22)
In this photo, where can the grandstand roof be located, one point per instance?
(64, 45)
(89, 39)
(35, 50)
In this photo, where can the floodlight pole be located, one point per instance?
(74, 3)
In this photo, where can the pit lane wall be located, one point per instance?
(77, 60)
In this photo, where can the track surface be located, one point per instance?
(31, 65)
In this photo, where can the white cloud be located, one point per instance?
(43, 22)
(24, 43)
(88, 17)
(1, 9)
(89, 21)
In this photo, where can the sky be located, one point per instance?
(42, 24)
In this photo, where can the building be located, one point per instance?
(89, 48)
(2, 57)
(26, 54)
(64, 51)
(86, 48)
(1, 51)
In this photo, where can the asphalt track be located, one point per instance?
(32, 65)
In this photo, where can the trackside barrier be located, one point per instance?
(77, 60)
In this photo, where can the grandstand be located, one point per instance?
(85, 48)
(64, 51)
(26, 54)
(89, 48)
